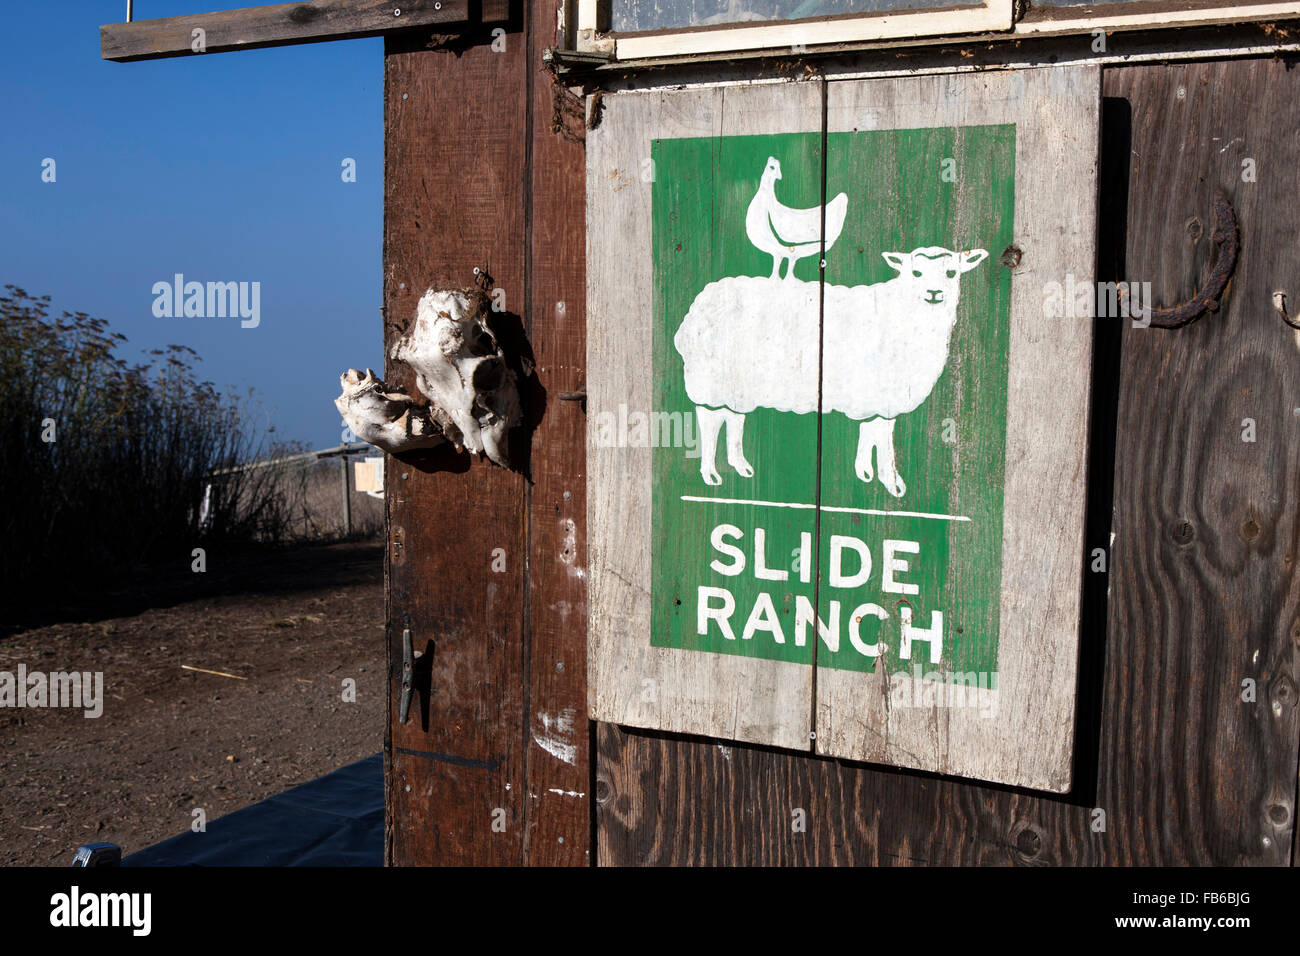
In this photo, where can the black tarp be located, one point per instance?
(335, 820)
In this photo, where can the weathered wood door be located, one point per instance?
(1195, 512)
(1190, 506)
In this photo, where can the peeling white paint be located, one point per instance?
(565, 793)
(569, 546)
(556, 735)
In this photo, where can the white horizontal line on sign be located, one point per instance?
(855, 511)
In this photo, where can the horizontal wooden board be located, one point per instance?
(251, 28)
(1135, 14)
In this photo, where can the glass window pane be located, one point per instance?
(631, 15)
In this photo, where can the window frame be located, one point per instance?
(996, 17)
(960, 19)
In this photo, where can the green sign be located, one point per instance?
(869, 533)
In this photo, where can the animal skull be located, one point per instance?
(390, 420)
(460, 368)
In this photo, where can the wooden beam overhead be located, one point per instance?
(252, 28)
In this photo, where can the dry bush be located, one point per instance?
(135, 445)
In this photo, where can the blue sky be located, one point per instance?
(223, 167)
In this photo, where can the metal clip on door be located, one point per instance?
(408, 673)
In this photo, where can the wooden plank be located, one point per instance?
(454, 199)
(1008, 479)
(632, 680)
(1204, 586)
(311, 21)
(1137, 14)
(680, 801)
(558, 762)
(1183, 769)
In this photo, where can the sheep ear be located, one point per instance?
(896, 259)
(971, 258)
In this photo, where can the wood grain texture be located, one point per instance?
(630, 681)
(455, 192)
(1022, 732)
(252, 28)
(558, 761)
(1202, 588)
(1206, 533)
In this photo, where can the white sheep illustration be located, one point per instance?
(749, 342)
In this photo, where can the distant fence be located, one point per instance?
(318, 492)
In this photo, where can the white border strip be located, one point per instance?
(1168, 18)
(835, 508)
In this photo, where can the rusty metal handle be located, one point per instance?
(1227, 237)
(1279, 304)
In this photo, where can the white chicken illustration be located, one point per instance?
(790, 234)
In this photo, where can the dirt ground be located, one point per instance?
(294, 624)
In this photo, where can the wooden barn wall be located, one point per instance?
(486, 564)
(1202, 586)
(484, 167)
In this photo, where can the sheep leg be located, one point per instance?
(776, 266)
(889, 476)
(710, 422)
(736, 443)
(866, 443)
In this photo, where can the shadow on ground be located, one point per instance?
(246, 571)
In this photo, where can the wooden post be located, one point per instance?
(252, 28)
(492, 765)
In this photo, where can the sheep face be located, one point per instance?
(934, 273)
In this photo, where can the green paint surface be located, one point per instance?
(949, 187)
